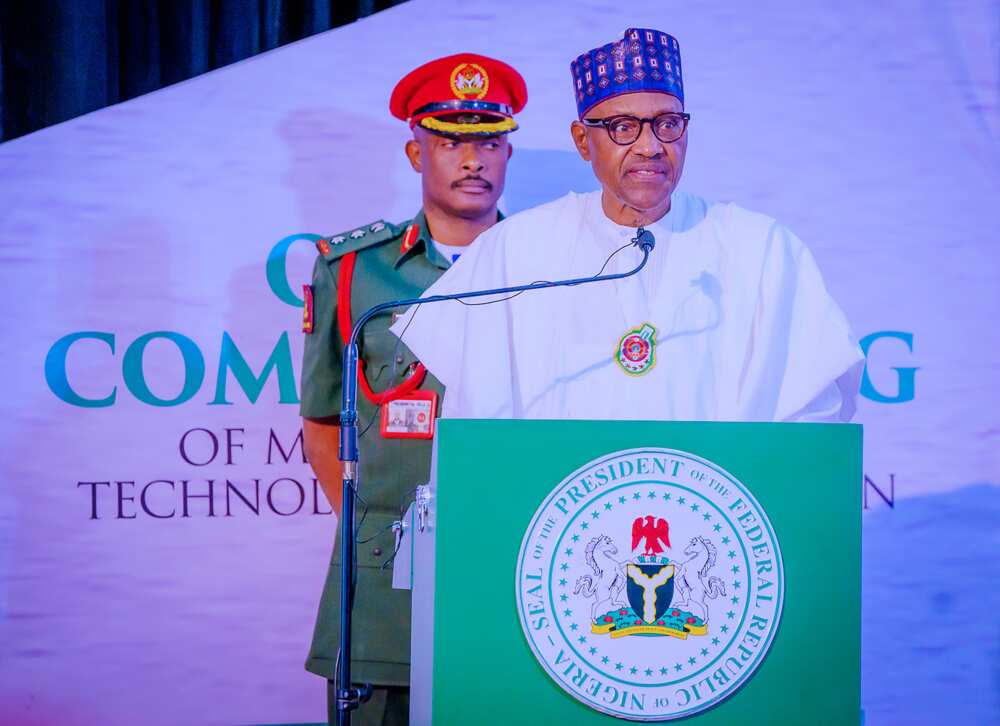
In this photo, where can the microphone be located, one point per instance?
(645, 239)
(348, 696)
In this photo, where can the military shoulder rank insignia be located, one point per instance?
(650, 584)
(636, 350)
(355, 240)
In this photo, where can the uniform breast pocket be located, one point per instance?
(386, 358)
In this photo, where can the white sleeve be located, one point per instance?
(806, 364)
(836, 403)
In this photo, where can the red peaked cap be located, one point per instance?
(479, 94)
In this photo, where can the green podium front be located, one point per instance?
(587, 572)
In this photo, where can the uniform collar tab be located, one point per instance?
(415, 239)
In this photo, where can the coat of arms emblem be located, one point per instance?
(470, 81)
(661, 597)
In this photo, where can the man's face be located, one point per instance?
(464, 175)
(642, 175)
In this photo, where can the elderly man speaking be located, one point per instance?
(728, 320)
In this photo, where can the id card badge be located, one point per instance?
(410, 417)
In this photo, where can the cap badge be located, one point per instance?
(469, 81)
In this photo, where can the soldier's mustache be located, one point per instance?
(477, 179)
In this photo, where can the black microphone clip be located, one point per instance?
(644, 239)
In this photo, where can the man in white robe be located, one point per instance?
(728, 320)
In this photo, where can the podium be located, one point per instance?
(588, 572)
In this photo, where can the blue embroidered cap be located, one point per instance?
(643, 60)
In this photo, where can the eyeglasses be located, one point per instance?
(624, 130)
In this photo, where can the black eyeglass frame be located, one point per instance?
(607, 121)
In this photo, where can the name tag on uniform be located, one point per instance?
(410, 417)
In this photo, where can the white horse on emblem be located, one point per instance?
(692, 583)
(608, 580)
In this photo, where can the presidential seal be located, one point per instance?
(650, 584)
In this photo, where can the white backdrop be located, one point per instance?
(872, 130)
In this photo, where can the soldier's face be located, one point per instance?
(642, 175)
(463, 175)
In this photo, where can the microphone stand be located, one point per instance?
(350, 697)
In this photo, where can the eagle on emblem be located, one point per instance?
(654, 531)
(469, 80)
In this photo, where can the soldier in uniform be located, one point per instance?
(460, 109)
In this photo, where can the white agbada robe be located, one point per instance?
(745, 329)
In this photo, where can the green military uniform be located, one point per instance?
(461, 96)
(390, 469)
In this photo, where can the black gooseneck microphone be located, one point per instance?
(349, 697)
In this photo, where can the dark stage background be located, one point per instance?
(61, 59)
